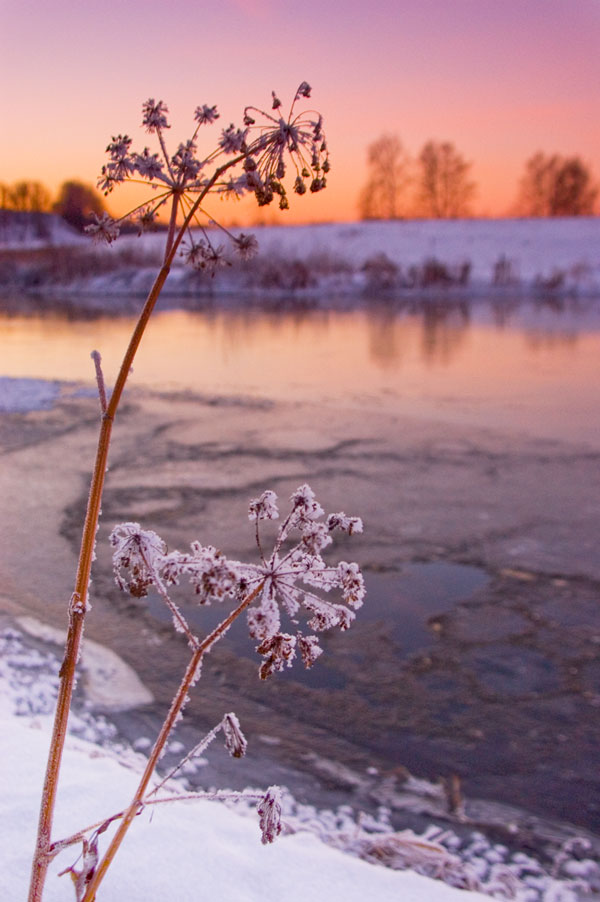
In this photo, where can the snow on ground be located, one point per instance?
(337, 260)
(32, 230)
(186, 851)
(21, 395)
(564, 253)
(195, 850)
(534, 246)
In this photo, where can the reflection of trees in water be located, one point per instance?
(388, 337)
(566, 336)
(439, 325)
(503, 310)
(540, 336)
(549, 339)
(236, 329)
(445, 327)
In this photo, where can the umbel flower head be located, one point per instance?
(254, 158)
(293, 582)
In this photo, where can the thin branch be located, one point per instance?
(197, 750)
(218, 795)
(176, 707)
(95, 355)
(181, 623)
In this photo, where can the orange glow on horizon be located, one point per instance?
(500, 80)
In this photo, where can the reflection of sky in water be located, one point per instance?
(401, 602)
(525, 367)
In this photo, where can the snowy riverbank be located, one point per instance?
(320, 854)
(182, 851)
(329, 263)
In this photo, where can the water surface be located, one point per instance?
(526, 367)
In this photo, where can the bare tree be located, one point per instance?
(444, 190)
(556, 186)
(27, 197)
(383, 195)
(77, 202)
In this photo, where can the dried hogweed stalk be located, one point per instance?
(253, 158)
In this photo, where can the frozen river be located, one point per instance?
(467, 437)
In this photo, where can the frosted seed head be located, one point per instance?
(304, 90)
(206, 115)
(278, 651)
(103, 229)
(346, 524)
(264, 507)
(309, 649)
(154, 115)
(246, 246)
(269, 812)
(352, 583)
(235, 741)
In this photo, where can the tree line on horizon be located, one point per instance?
(76, 202)
(437, 184)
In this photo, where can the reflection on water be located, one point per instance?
(400, 605)
(525, 366)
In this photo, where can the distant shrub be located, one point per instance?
(503, 273)
(381, 273)
(554, 282)
(279, 273)
(433, 272)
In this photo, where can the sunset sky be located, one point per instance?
(499, 78)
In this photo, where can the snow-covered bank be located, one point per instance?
(498, 251)
(183, 851)
(318, 855)
(186, 851)
(356, 261)
(21, 229)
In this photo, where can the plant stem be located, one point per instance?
(176, 706)
(78, 604)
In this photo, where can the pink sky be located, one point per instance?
(499, 78)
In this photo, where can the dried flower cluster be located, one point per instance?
(269, 812)
(253, 158)
(293, 579)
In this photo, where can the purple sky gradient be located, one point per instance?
(499, 78)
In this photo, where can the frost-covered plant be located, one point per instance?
(254, 157)
(293, 578)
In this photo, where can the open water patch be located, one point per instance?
(394, 619)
